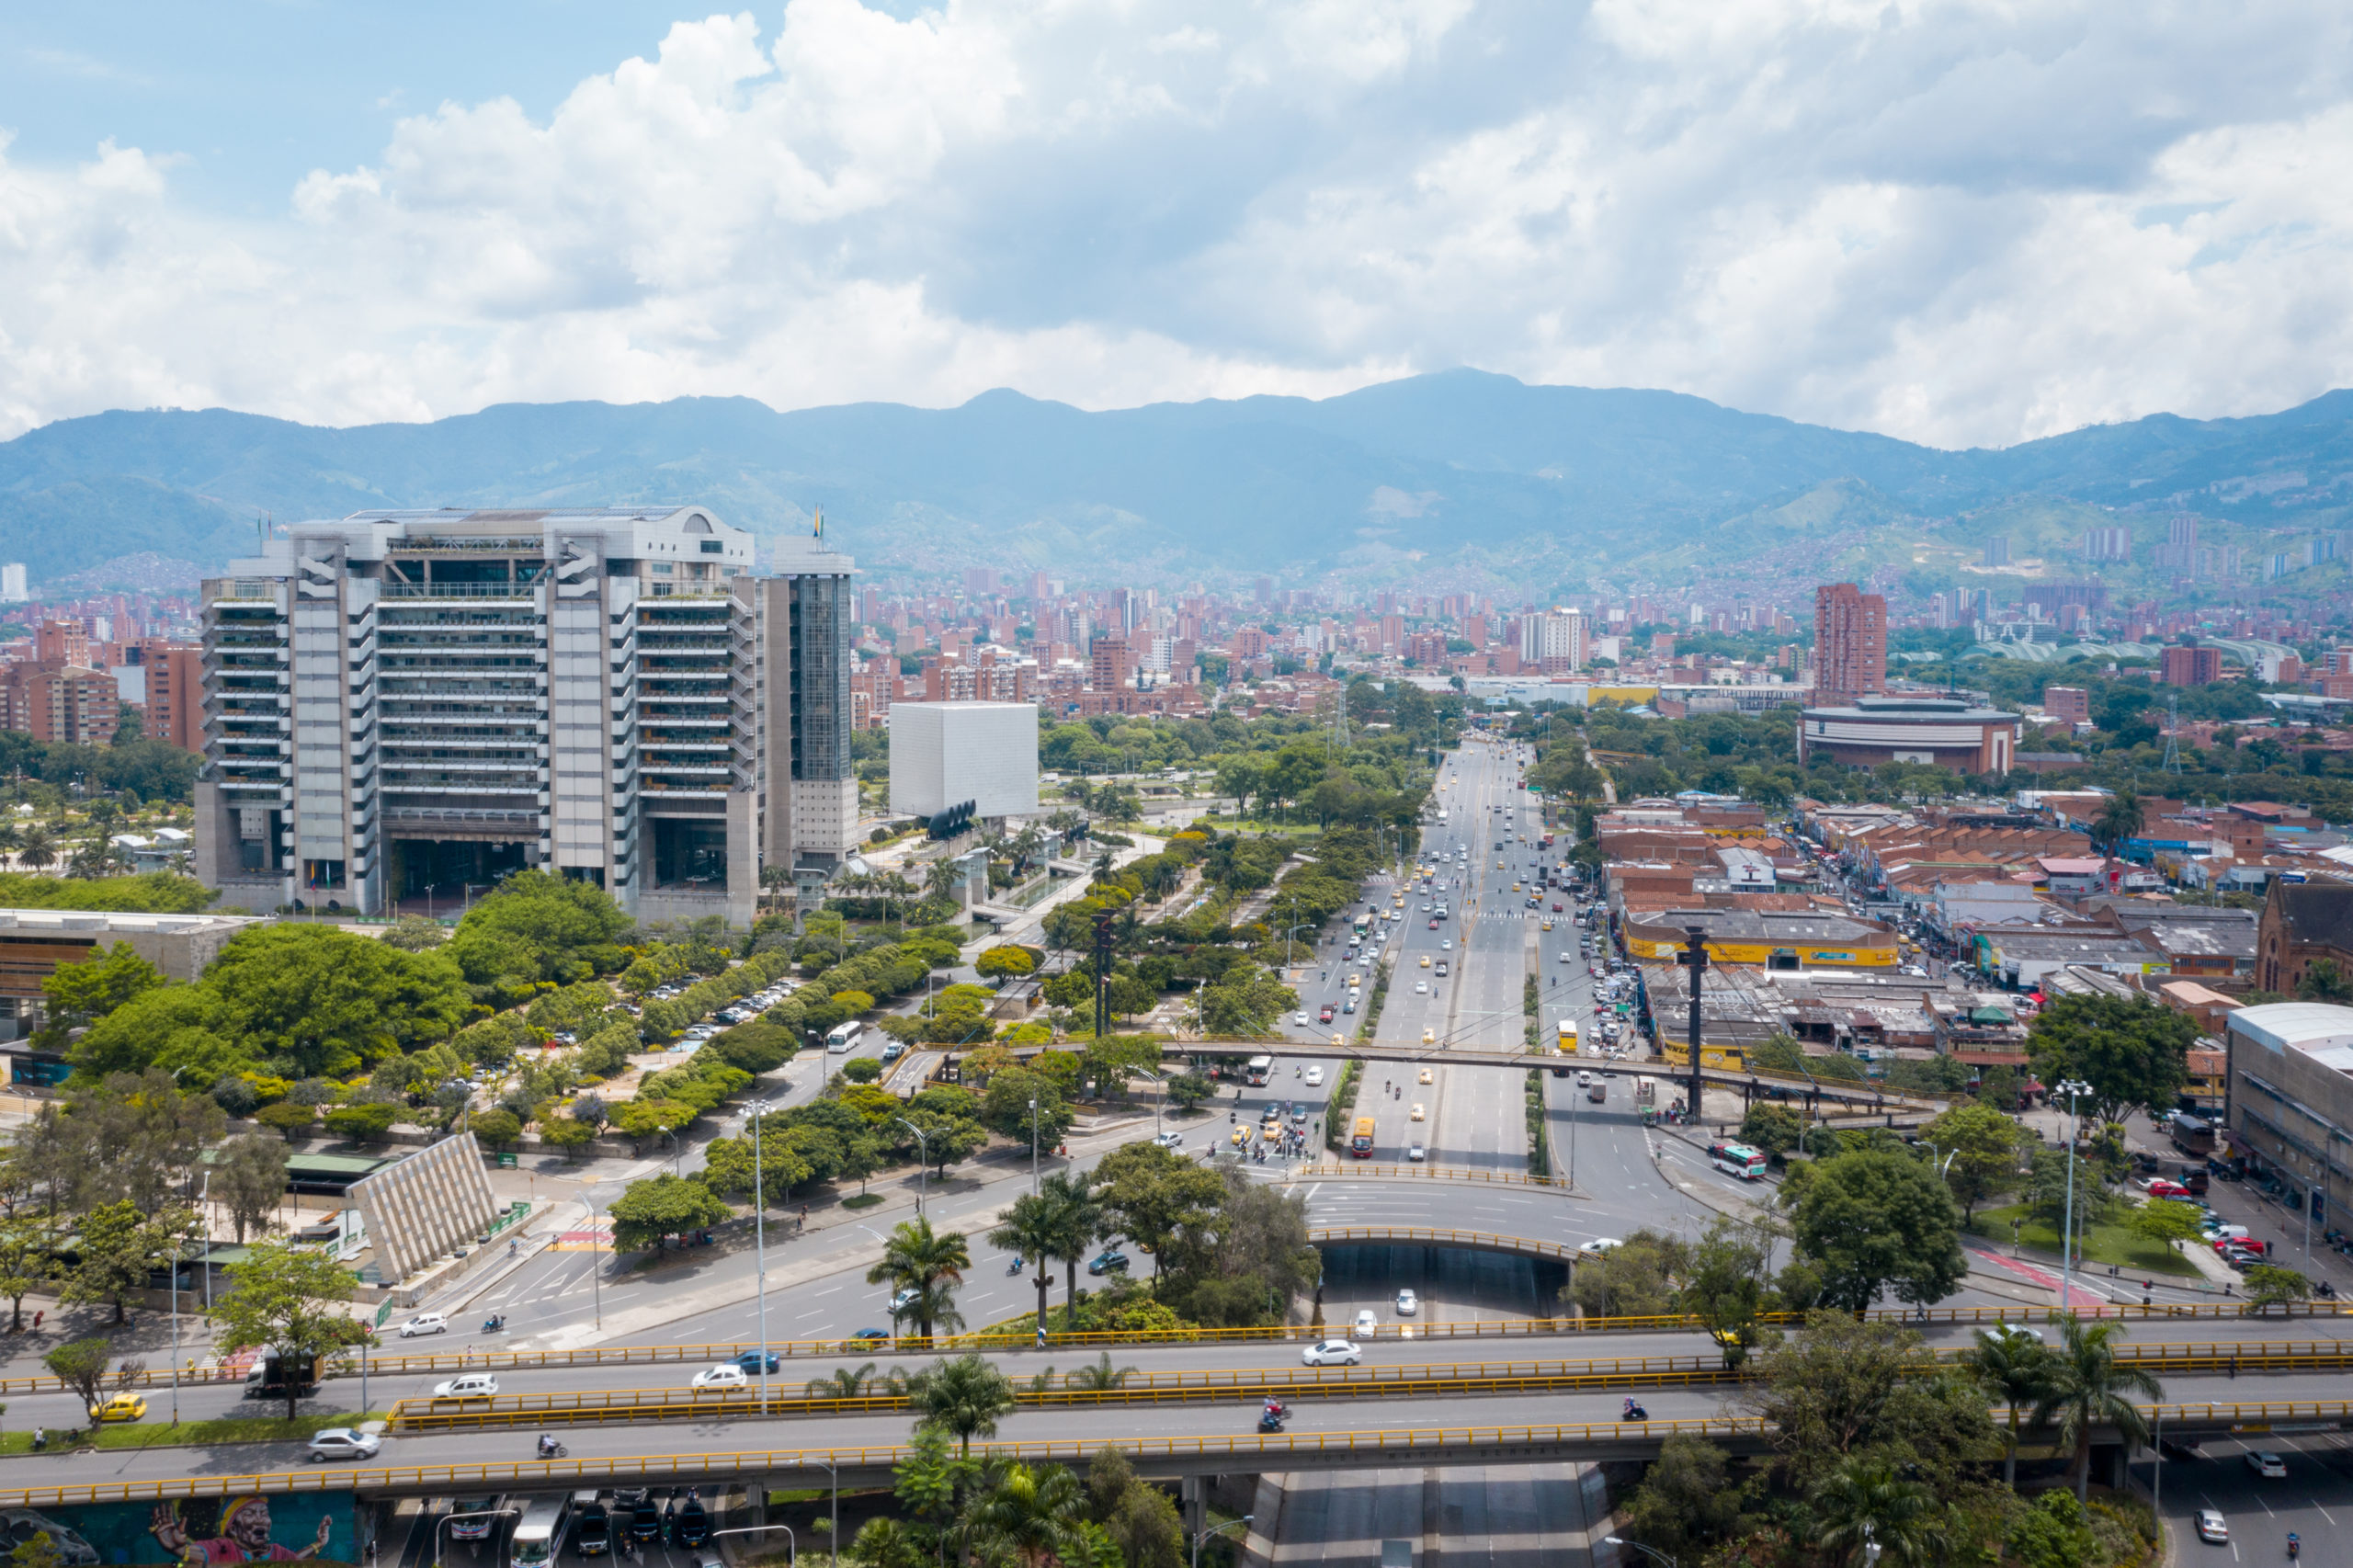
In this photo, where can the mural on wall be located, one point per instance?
(197, 1533)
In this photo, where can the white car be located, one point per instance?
(1331, 1353)
(1415, 1153)
(1407, 1303)
(2210, 1527)
(1367, 1324)
(1300, 1016)
(1421, 988)
(1170, 1140)
(2014, 1333)
(1601, 1244)
(726, 1375)
(474, 1385)
(425, 1322)
(343, 1443)
(2271, 1467)
(1315, 1076)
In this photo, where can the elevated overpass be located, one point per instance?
(200, 1473)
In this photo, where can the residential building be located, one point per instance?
(1849, 643)
(54, 701)
(13, 590)
(408, 705)
(2192, 665)
(2070, 704)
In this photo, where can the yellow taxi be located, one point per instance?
(1515, 887)
(1547, 926)
(121, 1407)
(1343, 1039)
(1417, 1112)
(1499, 865)
(1429, 1037)
(1427, 1078)
(1241, 1136)
(1426, 960)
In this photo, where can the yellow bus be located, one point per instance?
(1361, 1140)
(1727, 1058)
(1568, 1036)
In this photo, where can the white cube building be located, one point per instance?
(945, 753)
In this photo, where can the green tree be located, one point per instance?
(120, 1248)
(567, 1133)
(1074, 1222)
(1981, 1145)
(964, 1398)
(2323, 982)
(1877, 1219)
(1725, 1284)
(1688, 1501)
(312, 1000)
(360, 1123)
(648, 1212)
(2134, 1053)
(249, 1180)
(415, 934)
(1152, 1193)
(497, 1128)
(1839, 1388)
(1775, 1128)
(2119, 819)
(842, 1383)
(919, 1258)
(2165, 1220)
(2268, 1286)
(27, 1258)
(1641, 1277)
(1188, 1088)
(76, 995)
(1864, 1502)
(288, 1118)
(887, 1543)
(1005, 1107)
(1026, 1229)
(1004, 962)
(2090, 1389)
(2015, 1370)
(290, 1298)
(1032, 1516)
(2054, 1533)
(80, 1364)
(1246, 1000)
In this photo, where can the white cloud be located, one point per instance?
(1953, 221)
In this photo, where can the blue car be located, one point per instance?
(750, 1361)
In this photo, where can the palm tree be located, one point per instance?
(842, 1383)
(934, 1306)
(1028, 1228)
(931, 1263)
(1863, 1502)
(1100, 1377)
(37, 847)
(1032, 1516)
(2088, 1390)
(2017, 1371)
(2119, 819)
(1077, 1225)
(964, 1398)
(10, 840)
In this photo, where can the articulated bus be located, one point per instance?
(1361, 1139)
(1738, 1159)
(1259, 1070)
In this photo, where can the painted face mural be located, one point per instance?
(198, 1533)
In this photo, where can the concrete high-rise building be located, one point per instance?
(404, 706)
(1997, 551)
(13, 588)
(1110, 661)
(2190, 666)
(1849, 643)
(1556, 641)
(948, 754)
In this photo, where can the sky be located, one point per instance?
(1963, 223)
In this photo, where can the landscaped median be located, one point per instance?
(131, 1434)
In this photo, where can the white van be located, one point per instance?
(540, 1531)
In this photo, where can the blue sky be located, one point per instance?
(1954, 220)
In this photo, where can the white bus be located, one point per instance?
(540, 1531)
(1258, 1069)
(844, 1038)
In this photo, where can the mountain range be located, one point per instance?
(1463, 471)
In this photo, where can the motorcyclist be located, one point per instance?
(2294, 1546)
(548, 1445)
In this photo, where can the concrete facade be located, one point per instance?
(2289, 1104)
(943, 753)
(428, 1205)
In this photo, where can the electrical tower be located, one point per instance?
(2172, 762)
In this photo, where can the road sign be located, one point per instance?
(383, 1312)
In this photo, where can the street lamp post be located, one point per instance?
(2071, 1088)
(1202, 1535)
(760, 1245)
(923, 1162)
(1033, 1146)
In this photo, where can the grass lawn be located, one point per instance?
(153, 1433)
(863, 1201)
(2102, 1244)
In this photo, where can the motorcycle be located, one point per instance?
(1634, 1412)
(1269, 1422)
(1278, 1410)
(2295, 1546)
(1015, 1266)
(551, 1450)
(496, 1325)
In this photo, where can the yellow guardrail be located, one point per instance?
(495, 1359)
(1429, 1236)
(1250, 1452)
(1332, 1169)
(1436, 1379)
